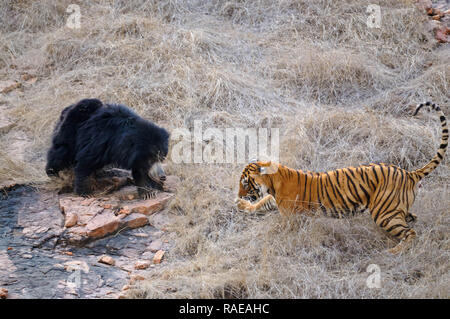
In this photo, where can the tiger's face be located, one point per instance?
(248, 188)
(252, 184)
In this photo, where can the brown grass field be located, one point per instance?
(341, 93)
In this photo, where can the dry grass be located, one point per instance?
(340, 92)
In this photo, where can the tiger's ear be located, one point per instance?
(253, 160)
(271, 169)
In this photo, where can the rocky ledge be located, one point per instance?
(64, 246)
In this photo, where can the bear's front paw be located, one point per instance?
(146, 193)
(244, 205)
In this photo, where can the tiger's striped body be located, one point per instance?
(387, 191)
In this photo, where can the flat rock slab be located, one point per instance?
(33, 265)
(87, 219)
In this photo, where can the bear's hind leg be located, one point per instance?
(82, 185)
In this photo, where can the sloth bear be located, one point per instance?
(61, 155)
(115, 135)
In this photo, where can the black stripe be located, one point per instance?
(391, 195)
(442, 118)
(375, 174)
(304, 191)
(350, 189)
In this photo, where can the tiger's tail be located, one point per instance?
(436, 160)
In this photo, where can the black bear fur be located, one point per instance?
(61, 154)
(114, 135)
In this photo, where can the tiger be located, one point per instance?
(387, 191)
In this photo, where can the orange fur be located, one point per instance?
(387, 191)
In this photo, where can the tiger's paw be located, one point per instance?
(244, 205)
(395, 251)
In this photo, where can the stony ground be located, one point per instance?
(33, 267)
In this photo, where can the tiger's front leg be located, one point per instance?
(265, 204)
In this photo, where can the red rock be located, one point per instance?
(158, 256)
(8, 86)
(442, 34)
(71, 220)
(102, 224)
(149, 206)
(10, 248)
(135, 220)
(68, 253)
(124, 211)
(141, 264)
(3, 293)
(108, 260)
(436, 17)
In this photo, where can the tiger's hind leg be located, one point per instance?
(396, 226)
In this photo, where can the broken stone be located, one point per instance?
(27, 256)
(108, 260)
(102, 224)
(71, 220)
(135, 220)
(3, 293)
(79, 206)
(155, 245)
(158, 256)
(141, 264)
(149, 206)
(8, 86)
(68, 253)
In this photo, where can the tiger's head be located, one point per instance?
(255, 182)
